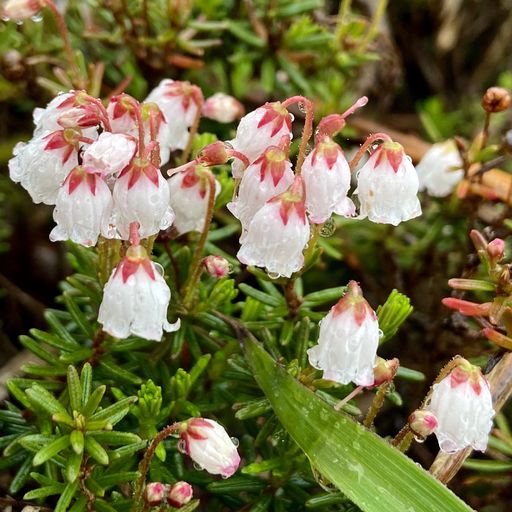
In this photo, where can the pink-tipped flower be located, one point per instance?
(384, 370)
(259, 129)
(216, 266)
(141, 194)
(179, 102)
(422, 423)
(19, 10)
(110, 154)
(179, 494)
(189, 191)
(265, 178)
(42, 164)
(440, 169)
(348, 340)
(387, 186)
(278, 233)
(82, 203)
(462, 404)
(122, 115)
(209, 446)
(155, 493)
(223, 108)
(326, 176)
(136, 298)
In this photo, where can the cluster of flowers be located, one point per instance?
(459, 410)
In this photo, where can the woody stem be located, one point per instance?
(364, 147)
(307, 130)
(376, 404)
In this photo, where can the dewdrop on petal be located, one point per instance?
(440, 169)
(82, 202)
(387, 186)
(348, 340)
(326, 175)
(278, 233)
(258, 130)
(462, 404)
(136, 298)
(209, 446)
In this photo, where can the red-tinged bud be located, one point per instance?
(496, 250)
(83, 117)
(496, 99)
(497, 337)
(155, 493)
(330, 125)
(179, 494)
(466, 307)
(19, 10)
(217, 266)
(385, 370)
(223, 108)
(478, 240)
(214, 154)
(422, 423)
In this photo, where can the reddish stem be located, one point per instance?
(361, 102)
(134, 233)
(199, 101)
(236, 154)
(103, 112)
(366, 144)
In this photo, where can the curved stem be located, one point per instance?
(103, 111)
(146, 461)
(195, 266)
(307, 130)
(366, 144)
(236, 154)
(193, 129)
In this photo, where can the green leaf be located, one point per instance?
(86, 382)
(77, 441)
(367, 469)
(53, 340)
(74, 389)
(94, 400)
(117, 478)
(78, 316)
(73, 466)
(259, 295)
(49, 451)
(114, 438)
(393, 313)
(45, 400)
(36, 349)
(115, 411)
(96, 451)
(22, 476)
(66, 497)
(43, 492)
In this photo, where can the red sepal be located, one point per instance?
(195, 423)
(458, 376)
(77, 176)
(276, 114)
(273, 161)
(148, 267)
(129, 267)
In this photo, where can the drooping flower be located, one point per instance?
(440, 169)
(209, 446)
(141, 194)
(42, 164)
(266, 177)
(260, 129)
(180, 493)
(223, 108)
(387, 186)
(136, 298)
(348, 340)
(462, 404)
(19, 10)
(110, 153)
(278, 233)
(326, 176)
(189, 192)
(82, 202)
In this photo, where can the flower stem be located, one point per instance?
(146, 461)
(195, 266)
(193, 129)
(307, 130)
(349, 397)
(376, 404)
(366, 144)
(293, 301)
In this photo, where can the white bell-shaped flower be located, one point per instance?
(209, 446)
(258, 130)
(110, 154)
(265, 178)
(387, 186)
(462, 404)
(190, 190)
(348, 341)
(326, 175)
(82, 202)
(141, 194)
(440, 169)
(19, 10)
(179, 102)
(278, 233)
(223, 108)
(42, 164)
(136, 298)
(46, 119)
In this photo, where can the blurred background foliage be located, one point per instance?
(423, 63)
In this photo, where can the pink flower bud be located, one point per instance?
(384, 370)
(496, 250)
(387, 186)
(216, 266)
(155, 493)
(422, 423)
(462, 404)
(179, 494)
(214, 154)
(84, 116)
(209, 446)
(348, 340)
(19, 10)
(223, 108)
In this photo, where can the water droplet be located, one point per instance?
(273, 275)
(37, 17)
(419, 439)
(228, 144)
(301, 107)
(159, 268)
(5, 18)
(235, 441)
(197, 466)
(182, 446)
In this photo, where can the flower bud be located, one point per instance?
(84, 116)
(19, 10)
(384, 370)
(216, 266)
(223, 108)
(496, 99)
(496, 250)
(214, 154)
(422, 423)
(155, 493)
(179, 494)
